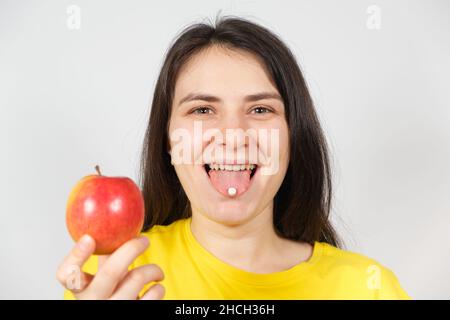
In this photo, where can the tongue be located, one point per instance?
(222, 180)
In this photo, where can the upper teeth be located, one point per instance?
(232, 167)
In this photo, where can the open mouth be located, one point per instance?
(231, 180)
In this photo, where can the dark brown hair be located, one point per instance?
(302, 204)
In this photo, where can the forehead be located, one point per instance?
(223, 72)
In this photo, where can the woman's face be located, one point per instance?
(217, 123)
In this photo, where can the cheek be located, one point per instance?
(275, 143)
(194, 138)
(185, 140)
(185, 176)
(284, 143)
(279, 170)
(283, 138)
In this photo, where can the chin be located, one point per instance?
(231, 213)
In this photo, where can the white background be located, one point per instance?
(71, 99)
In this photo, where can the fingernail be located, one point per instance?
(85, 242)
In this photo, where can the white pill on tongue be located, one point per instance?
(232, 191)
(222, 180)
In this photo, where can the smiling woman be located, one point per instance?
(222, 226)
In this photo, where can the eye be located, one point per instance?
(260, 110)
(201, 110)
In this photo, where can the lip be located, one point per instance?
(253, 175)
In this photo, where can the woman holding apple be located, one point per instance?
(236, 184)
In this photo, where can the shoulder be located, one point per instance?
(343, 257)
(361, 271)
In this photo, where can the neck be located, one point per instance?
(252, 245)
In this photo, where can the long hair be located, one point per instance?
(302, 204)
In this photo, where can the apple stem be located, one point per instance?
(97, 168)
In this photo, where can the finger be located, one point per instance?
(101, 260)
(113, 268)
(155, 292)
(136, 279)
(70, 270)
(78, 282)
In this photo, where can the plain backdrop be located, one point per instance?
(76, 93)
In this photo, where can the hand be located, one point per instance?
(112, 280)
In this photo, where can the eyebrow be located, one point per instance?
(249, 98)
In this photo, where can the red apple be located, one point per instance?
(109, 209)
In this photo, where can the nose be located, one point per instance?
(233, 128)
(232, 120)
(235, 143)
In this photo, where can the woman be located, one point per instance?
(232, 216)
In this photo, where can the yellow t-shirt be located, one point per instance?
(192, 272)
